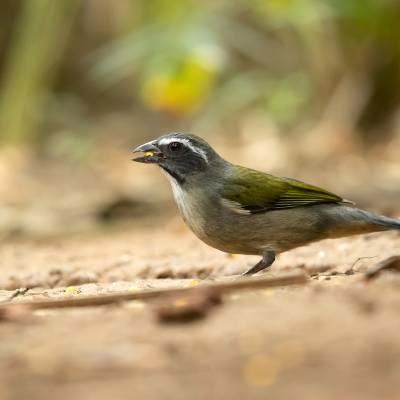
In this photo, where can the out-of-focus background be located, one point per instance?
(302, 88)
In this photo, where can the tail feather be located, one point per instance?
(347, 220)
(386, 222)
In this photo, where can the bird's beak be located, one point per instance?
(151, 153)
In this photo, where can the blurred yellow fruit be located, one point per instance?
(185, 85)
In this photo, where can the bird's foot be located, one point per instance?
(267, 261)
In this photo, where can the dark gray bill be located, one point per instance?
(150, 153)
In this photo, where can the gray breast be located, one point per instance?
(213, 223)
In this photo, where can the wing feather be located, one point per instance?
(251, 192)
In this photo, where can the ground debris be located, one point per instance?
(388, 264)
(18, 292)
(188, 308)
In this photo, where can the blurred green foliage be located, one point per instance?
(65, 62)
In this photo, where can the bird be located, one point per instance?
(239, 210)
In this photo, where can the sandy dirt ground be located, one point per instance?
(337, 336)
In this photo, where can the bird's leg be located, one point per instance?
(267, 261)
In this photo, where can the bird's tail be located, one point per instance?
(385, 222)
(351, 220)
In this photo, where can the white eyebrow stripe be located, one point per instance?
(169, 140)
(187, 143)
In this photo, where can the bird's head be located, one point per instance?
(180, 155)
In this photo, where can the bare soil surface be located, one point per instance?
(337, 336)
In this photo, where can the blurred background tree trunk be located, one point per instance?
(38, 40)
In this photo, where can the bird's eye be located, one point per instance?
(175, 146)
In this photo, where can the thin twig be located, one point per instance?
(220, 288)
(360, 259)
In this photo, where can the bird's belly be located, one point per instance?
(253, 234)
(226, 237)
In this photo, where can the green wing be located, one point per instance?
(253, 192)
